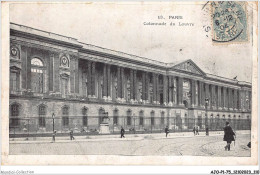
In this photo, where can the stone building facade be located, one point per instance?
(78, 84)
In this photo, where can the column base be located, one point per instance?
(170, 104)
(154, 102)
(231, 109)
(165, 104)
(109, 98)
(158, 103)
(132, 101)
(214, 108)
(220, 108)
(224, 108)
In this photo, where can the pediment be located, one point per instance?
(188, 66)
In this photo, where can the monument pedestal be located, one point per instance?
(104, 128)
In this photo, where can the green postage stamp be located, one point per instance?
(229, 22)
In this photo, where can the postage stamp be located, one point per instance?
(229, 22)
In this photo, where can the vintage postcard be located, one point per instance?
(131, 83)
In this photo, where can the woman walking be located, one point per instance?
(228, 136)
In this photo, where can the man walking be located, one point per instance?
(71, 135)
(207, 131)
(122, 132)
(167, 131)
(228, 136)
(197, 130)
(194, 130)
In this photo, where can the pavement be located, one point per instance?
(177, 144)
(128, 137)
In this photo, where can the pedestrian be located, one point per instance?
(194, 130)
(53, 136)
(197, 130)
(167, 131)
(122, 132)
(71, 135)
(207, 131)
(228, 136)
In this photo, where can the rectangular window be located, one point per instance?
(42, 121)
(115, 120)
(152, 121)
(13, 81)
(128, 120)
(14, 122)
(85, 121)
(64, 87)
(162, 120)
(65, 121)
(141, 121)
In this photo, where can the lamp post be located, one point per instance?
(53, 116)
(206, 109)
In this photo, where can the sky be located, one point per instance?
(121, 27)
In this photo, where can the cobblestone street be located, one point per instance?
(147, 145)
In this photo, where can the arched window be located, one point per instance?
(115, 117)
(85, 117)
(37, 75)
(129, 119)
(42, 114)
(162, 118)
(141, 118)
(101, 114)
(152, 118)
(14, 120)
(65, 116)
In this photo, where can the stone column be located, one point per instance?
(89, 80)
(170, 90)
(118, 83)
(225, 98)
(123, 83)
(230, 99)
(179, 90)
(131, 85)
(147, 85)
(109, 80)
(77, 75)
(154, 88)
(173, 93)
(135, 85)
(213, 97)
(250, 100)
(199, 93)
(239, 99)
(164, 89)
(203, 92)
(104, 90)
(193, 92)
(219, 98)
(51, 72)
(143, 86)
(158, 89)
(235, 100)
(93, 79)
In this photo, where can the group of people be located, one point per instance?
(229, 134)
(196, 130)
(70, 134)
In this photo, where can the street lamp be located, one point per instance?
(206, 109)
(53, 116)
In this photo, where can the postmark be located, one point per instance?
(229, 22)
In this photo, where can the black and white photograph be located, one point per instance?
(131, 80)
